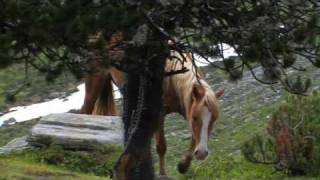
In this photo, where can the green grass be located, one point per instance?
(56, 163)
(225, 160)
(22, 169)
(230, 166)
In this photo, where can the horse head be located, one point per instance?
(203, 113)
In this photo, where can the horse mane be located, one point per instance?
(211, 100)
(183, 83)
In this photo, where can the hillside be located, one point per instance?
(36, 89)
(245, 109)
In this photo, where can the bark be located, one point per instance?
(142, 107)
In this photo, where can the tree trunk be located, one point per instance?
(142, 107)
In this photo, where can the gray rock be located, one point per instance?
(54, 95)
(17, 144)
(8, 122)
(76, 131)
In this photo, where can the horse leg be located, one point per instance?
(161, 146)
(93, 85)
(187, 157)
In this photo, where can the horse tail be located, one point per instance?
(105, 104)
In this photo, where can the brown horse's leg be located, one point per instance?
(161, 146)
(187, 157)
(93, 85)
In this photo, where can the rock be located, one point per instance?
(36, 99)
(17, 144)
(76, 131)
(54, 95)
(74, 111)
(8, 122)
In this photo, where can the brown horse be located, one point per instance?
(186, 93)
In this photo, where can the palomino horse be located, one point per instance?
(185, 93)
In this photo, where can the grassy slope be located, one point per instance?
(15, 168)
(55, 163)
(225, 160)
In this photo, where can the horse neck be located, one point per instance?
(179, 87)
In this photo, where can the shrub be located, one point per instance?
(99, 161)
(292, 137)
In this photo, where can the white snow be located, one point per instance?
(24, 113)
(227, 52)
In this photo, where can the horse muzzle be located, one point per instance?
(201, 154)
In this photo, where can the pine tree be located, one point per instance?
(56, 35)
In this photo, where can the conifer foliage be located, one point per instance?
(292, 141)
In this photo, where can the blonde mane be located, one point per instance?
(182, 83)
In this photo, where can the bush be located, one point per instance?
(292, 138)
(99, 161)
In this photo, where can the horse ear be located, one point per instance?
(220, 93)
(198, 91)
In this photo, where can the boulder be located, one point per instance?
(17, 144)
(76, 131)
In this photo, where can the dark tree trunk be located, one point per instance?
(142, 107)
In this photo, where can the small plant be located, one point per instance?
(292, 138)
(99, 161)
(259, 150)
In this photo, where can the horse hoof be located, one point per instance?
(183, 167)
(164, 177)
